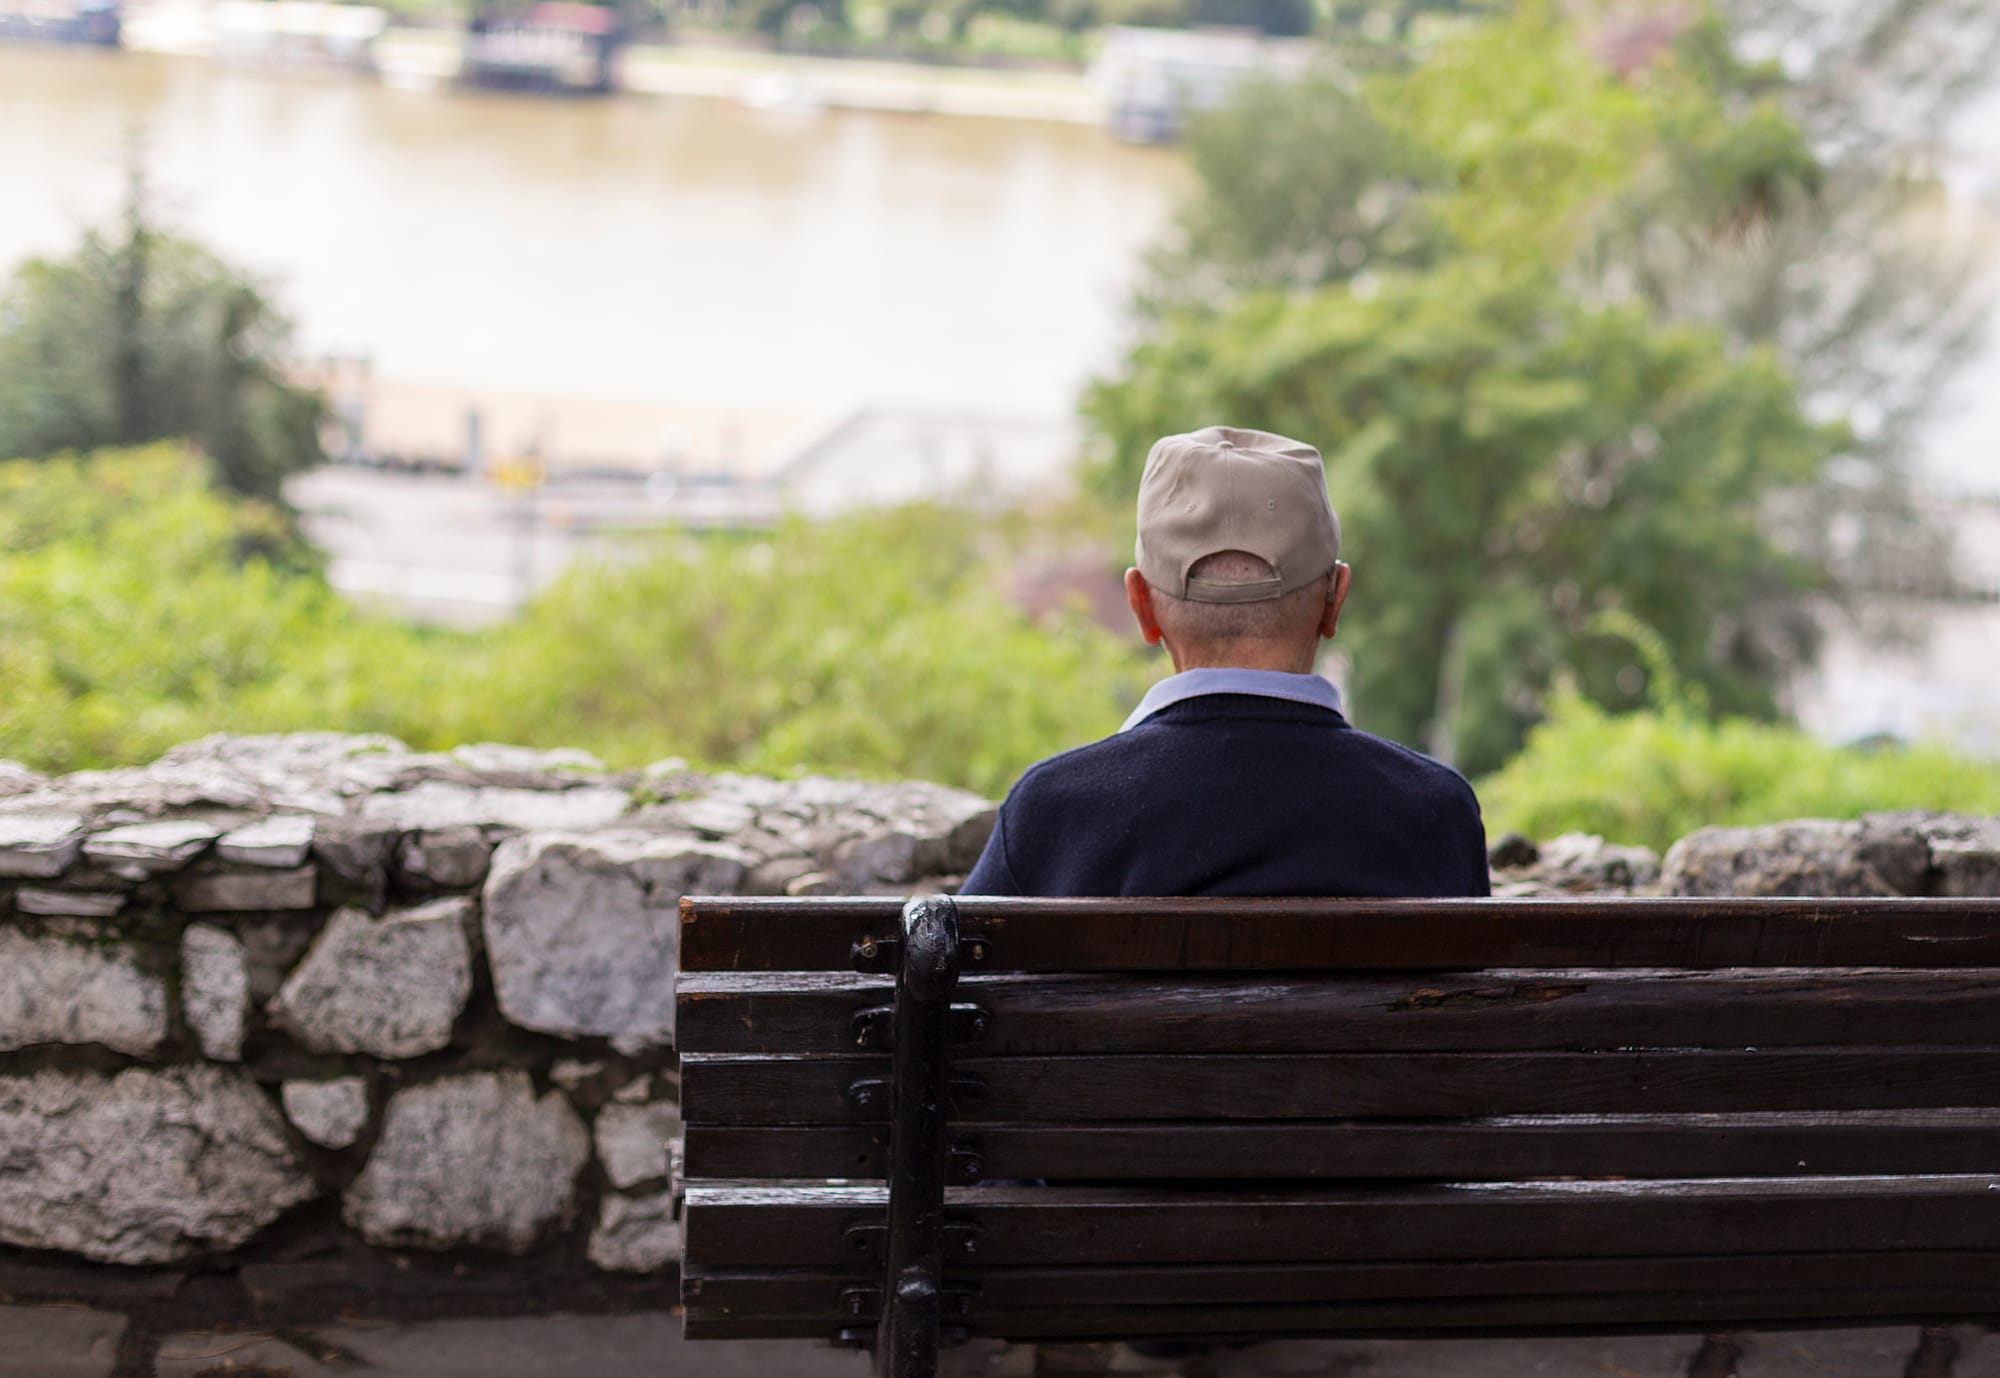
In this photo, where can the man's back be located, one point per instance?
(1234, 794)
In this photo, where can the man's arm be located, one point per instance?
(993, 876)
(1479, 875)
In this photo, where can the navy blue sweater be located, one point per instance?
(1237, 794)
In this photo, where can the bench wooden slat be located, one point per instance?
(1024, 1226)
(1439, 1318)
(1498, 1149)
(1432, 1117)
(725, 1088)
(752, 934)
(1531, 1291)
(817, 1291)
(1517, 1010)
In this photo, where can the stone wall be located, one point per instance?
(323, 997)
(316, 1016)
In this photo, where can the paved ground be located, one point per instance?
(67, 1342)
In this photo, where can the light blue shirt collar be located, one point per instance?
(1269, 684)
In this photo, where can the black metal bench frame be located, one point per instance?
(916, 1308)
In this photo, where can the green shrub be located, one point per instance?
(1656, 775)
(140, 608)
(876, 644)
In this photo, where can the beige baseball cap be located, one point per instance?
(1225, 488)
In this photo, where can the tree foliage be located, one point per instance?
(144, 335)
(1507, 462)
(1657, 774)
(876, 643)
(140, 608)
(1626, 200)
(1872, 80)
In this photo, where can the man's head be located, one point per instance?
(1238, 551)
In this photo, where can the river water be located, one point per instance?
(674, 249)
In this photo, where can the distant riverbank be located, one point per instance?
(411, 58)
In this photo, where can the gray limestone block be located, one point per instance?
(470, 1160)
(571, 1073)
(967, 839)
(880, 858)
(353, 851)
(64, 1340)
(1811, 857)
(215, 989)
(272, 946)
(445, 858)
(354, 857)
(1584, 863)
(1965, 853)
(773, 877)
(446, 804)
(281, 841)
(582, 932)
(525, 766)
(166, 845)
(144, 1167)
(708, 816)
(73, 904)
(632, 1141)
(40, 845)
(635, 1234)
(392, 986)
(16, 778)
(311, 772)
(330, 1113)
(220, 891)
(62, 990)
(1897, 847)
(757, 792)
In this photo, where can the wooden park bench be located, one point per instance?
(1105, 1119)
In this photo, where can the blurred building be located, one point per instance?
(297, 34)
(61, 21)
(556, 46)
(456, 504)
(1151, 80)
(1918, 659)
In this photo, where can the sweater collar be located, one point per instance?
(1270, 684)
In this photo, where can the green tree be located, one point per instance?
(1642, 164)
(1300, 184)
(1872, 80)
(145, 335)
(1507, 463)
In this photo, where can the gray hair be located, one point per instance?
(1288, 617)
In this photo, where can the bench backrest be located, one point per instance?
(1348, 1117)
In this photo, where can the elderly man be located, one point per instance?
(1237, 775)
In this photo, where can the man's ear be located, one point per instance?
(1139, 594)
(1336, 598)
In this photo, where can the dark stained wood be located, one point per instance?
(749, 934)
(1488, 1011)
(729, 1227)
(724, 1088)
(817, 1292)
(1508, 1148)
(1456, 1318)
(1432, 1117)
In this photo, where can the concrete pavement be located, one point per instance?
(74, 1342)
